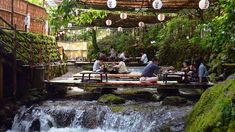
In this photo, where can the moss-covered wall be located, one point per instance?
(215, 110)
(53, 71)
(47, 44)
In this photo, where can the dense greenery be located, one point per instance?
(215, 110)
(39, 42)
(36, 2)
(69, 11)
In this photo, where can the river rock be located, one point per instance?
(111, 99)
(174, 101)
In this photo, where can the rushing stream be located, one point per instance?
(90, 116)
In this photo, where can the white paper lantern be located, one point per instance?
(123, 15)
(108, 22)
(141, 24)
(204, 4)
(111, 3)
(161, 17)
(120, 29)
(70, 25)
(157, 4)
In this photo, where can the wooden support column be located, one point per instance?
(14, 63)
(1, 78)
(12, 12)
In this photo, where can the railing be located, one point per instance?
(17, 49)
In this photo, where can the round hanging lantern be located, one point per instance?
(120, 29)
(157, 4)
(63, 32)
(108, 22)
(111, 4)
(69, 31)
(123, 15)
(70, 25)
(161, 17)
(204, 4)
(141, 24)
(74, 32)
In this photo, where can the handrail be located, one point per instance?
(27, 41)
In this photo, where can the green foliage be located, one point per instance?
(46, 43)
(215, 109)
(36, 2)
(173, 42)
(68, 12)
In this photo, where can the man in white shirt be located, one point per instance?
(144, 58)
(97, 66)
(121, 67)
(122, 56)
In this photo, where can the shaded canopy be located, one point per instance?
(168, 5)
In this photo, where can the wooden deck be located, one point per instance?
(129, 84)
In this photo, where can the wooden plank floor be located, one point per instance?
(130, 84)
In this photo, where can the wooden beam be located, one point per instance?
(168, 5)
(1, 78)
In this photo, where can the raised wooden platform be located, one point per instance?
(129, 84)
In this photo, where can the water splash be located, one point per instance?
(90, 116)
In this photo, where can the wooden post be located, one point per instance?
(14, 63)
(12, 12)
(1, 79)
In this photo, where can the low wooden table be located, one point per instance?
(91, 72)
(173, 77)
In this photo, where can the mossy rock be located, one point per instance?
(111, 99)
(215, 111)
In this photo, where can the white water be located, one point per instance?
(87, 116)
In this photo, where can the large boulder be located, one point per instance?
(215, 111)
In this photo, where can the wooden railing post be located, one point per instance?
(1, 78)
(14, 62)
(31, 54)
(40, 55)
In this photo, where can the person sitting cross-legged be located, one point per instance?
(150, 71)
(121, 67)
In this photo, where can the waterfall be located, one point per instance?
(90, 116)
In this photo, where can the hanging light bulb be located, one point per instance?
(111, 3)
(74, 32)
(108, 22)
(161, 17)
(63, 32)
(157, 4)
(141, 24)
(204, 4)
(123, 15)
(68, 30)
(120, 29)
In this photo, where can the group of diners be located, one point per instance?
(122, 55)
(193, 72)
